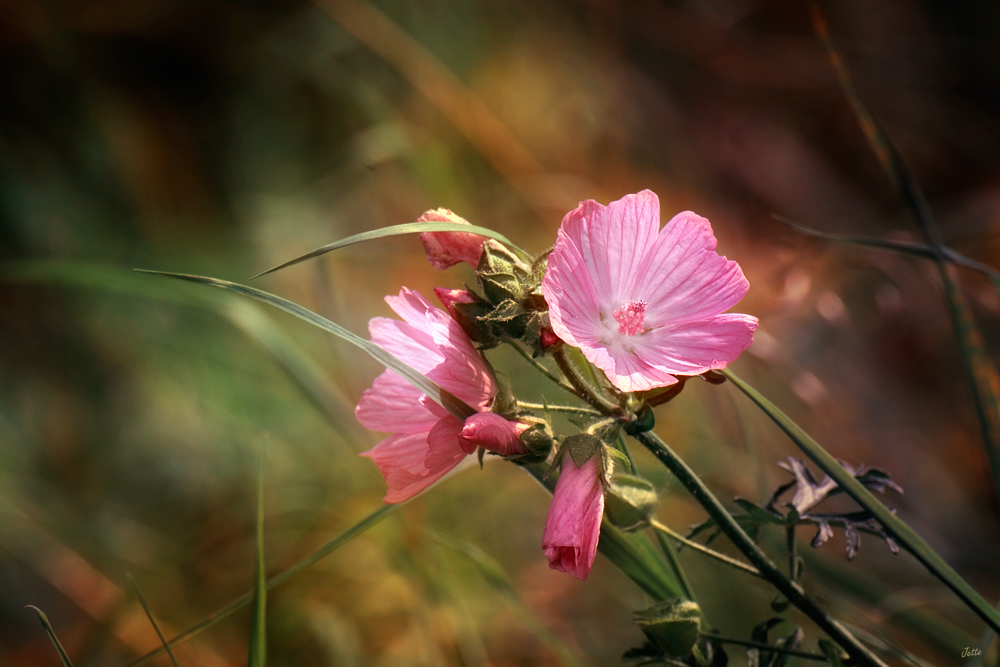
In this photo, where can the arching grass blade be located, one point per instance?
(398, 230)
(895, 526)
(52, 635)
(444, 398)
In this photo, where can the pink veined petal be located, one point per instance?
(489, 430)
(401, 460)
(574, 308)
(689, 348)
(449, 297)
(613, 241)
(412, 345)
(687, 279)
(629, 371)
(393, 405)
(573, 525)
(444, 448)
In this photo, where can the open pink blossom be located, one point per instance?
(645, 304)
(427, 441)
(573, 525)
(446, 249)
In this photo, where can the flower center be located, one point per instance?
(630, 317)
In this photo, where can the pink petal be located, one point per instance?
(613, 241)
(446, 249)
(573, 526)
(627, 370)
(411, 344)
(689, 348)
(444, 448)
(393, 405)
(401, 459)
(687, 279)
(574, 308)
(493, 432)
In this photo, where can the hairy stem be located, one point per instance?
(793, 554)
(582, 389)
(559, 408)
(859, 653)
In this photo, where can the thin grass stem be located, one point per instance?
(739, 565)
(559, 408)
(765, 647)
(562, 384)
(152, 619)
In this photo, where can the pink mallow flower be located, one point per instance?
(427, 441)
(573, 525)
(446, 249)
(645, 304)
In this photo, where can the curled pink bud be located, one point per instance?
(446, 249)
(573, 525)
(449, 297)
(493, 432)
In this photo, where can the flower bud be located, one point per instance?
(630, 502)
(446, 249)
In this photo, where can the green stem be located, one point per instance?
(792, 591)
(660, 528)
(766, 647)
(675, 565)
(543, 370)
(582, 389)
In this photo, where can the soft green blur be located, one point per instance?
(224, 138)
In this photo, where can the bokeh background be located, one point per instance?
(223, 138)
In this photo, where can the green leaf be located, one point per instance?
(892, 524)
(449, 401)
(398, 230)
(258, 628)
(499, 580)
(52, 635)
(357, 529)
(152, 619)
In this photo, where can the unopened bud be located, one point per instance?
(446, 249)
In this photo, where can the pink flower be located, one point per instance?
(645, 304)
(427, 441)
(573, 525)
(446, 249)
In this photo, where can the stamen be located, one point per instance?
(630, 318)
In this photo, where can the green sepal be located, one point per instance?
(673, 626)
(630, 501)
(537, 440)
(582, 447)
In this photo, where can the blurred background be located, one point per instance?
(223, 138)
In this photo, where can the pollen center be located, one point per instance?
(630, 317)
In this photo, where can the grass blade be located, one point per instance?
(52, 635)
(398, 230)
(980, 370)
(258, 629)
(901, 247)
(447, 400)
(357, 529)
(245, 316)
(500, 582)
(895, 526)
(152, 620)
